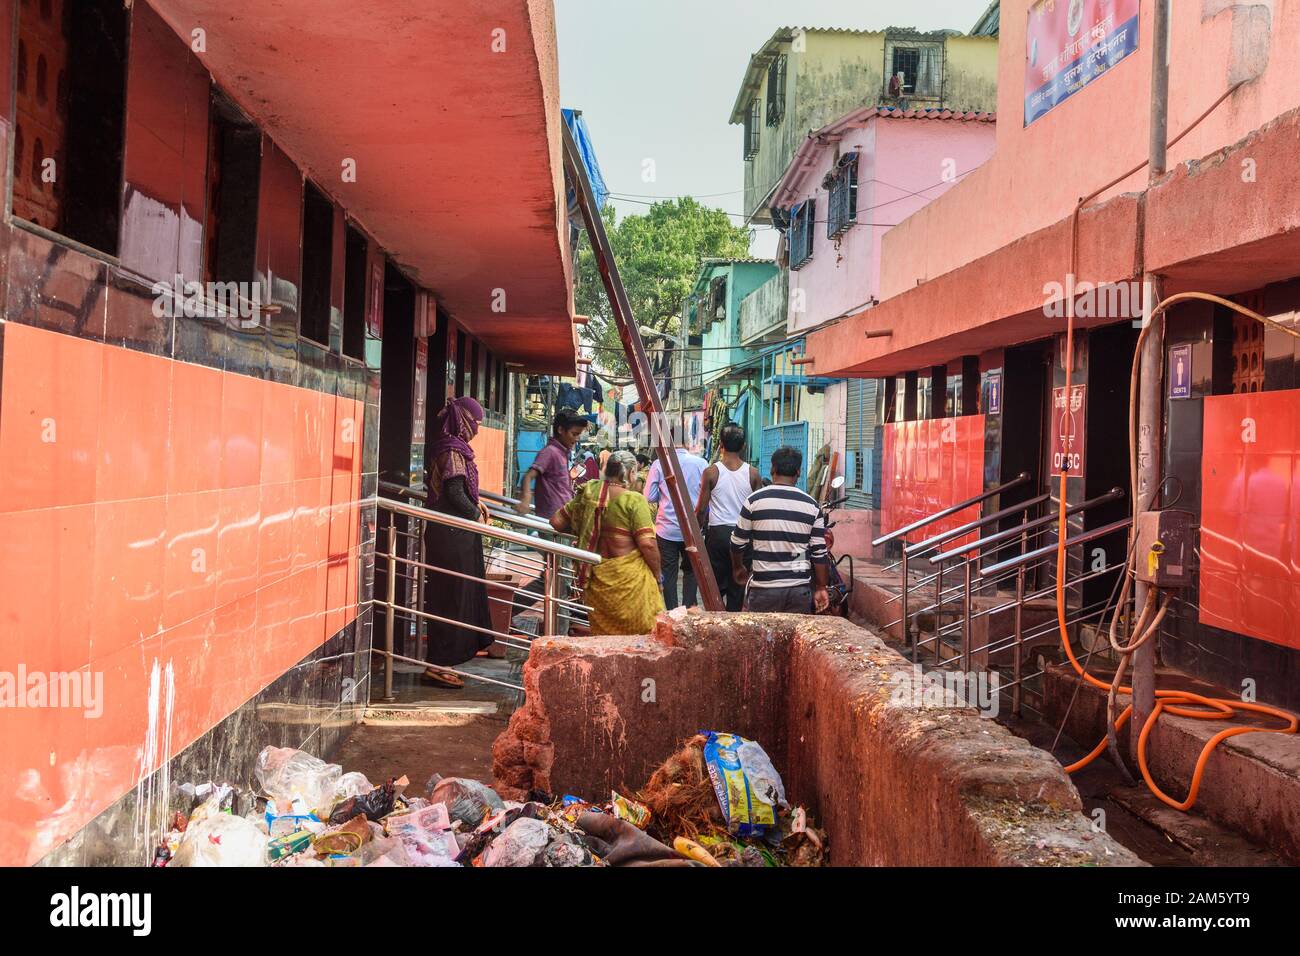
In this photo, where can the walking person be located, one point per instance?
(786, 534)
(668, 530)
(550, 469)
(614, 521)
(725, 486)
(453, 490)
(554, 489)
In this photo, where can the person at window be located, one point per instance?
(785, 533)
(607, 517)
(726, 485)
(453, 490)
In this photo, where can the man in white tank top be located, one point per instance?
(726, 485)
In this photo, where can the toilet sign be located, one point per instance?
(1068, 429)
(1180, 372)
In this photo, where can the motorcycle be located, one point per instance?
(837, 587)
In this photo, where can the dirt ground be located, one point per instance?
(454, 746)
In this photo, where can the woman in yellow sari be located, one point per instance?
(606, 517)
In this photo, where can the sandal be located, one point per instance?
(439, 678)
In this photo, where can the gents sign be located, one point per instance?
(1068, 429)
(1069, 43)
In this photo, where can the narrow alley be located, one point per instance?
(555, 434)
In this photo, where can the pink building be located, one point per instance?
(854, 179)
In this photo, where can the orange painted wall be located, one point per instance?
(927, 466)
(1250, 515)
(156, 516)
(490, 456)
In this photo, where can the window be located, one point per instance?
(751, 129)
(842, 203)
(802, 218)
(71, 108)
(354, 293)
(776, 90)
(234, 181)
(317, 263)
(906, 60)
(920, 66)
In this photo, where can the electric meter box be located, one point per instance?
(1166, 541)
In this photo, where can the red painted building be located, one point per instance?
(362, 208)
(972, 314)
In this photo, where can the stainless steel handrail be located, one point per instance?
(1020, 479)
(1113, 495)
(487, 531)
(945, 536)
(392, 488)
(550, 553)
(1031, 556)
(501, 499)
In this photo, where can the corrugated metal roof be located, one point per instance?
(987, 24)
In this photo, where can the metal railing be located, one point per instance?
(406, 567)
(984, 570)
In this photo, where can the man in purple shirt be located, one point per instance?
(551, 467)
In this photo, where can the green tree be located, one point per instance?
(658, 255)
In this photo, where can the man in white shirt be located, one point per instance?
(723, 490)
(668, 531)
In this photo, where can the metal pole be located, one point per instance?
(389, 614)
(548, 596)
(907, 625)
(1151, 382)
(938, 614)
(642, 374)
(966, 625)
(1018, 659)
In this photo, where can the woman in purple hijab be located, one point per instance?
(453, 489)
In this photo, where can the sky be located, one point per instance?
(656, 80)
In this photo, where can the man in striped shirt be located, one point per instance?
(786, 536)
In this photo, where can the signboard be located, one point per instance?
(1180, 372)
(995, 393)
(1070, 43)
(1068, 429)
(375, 307)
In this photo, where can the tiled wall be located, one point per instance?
(1250, 515)
(490, 456)
(180, 498)
(930, 465)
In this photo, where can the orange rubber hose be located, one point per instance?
(1176, 702)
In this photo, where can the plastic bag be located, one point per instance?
(426, 835)
(385, 851)
(287, 775)
(519, 844)
(467, 800)
(376, 804)
(222, 840)
(352, 784)
(747, 785)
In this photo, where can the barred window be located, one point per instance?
(842, 186)
(751, 129)
(802, 218)
(776, 90)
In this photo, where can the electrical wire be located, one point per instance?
(957, 177)
(1179, 703)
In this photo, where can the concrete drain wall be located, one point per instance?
(892, 784)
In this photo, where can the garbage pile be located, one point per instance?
(718, 801)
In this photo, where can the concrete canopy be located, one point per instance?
(459, 172)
